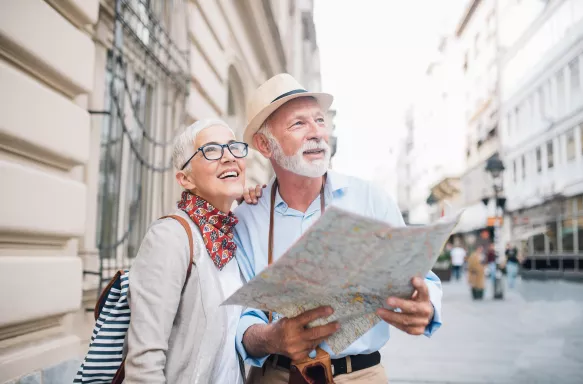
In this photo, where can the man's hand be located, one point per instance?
(252, 194)
(415, 314)
(290, 337)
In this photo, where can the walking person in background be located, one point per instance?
(491, 260)
(476, 267)
(511, 264)
(458, 257)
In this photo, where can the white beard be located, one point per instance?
(297, 163)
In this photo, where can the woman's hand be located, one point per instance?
(252, 194)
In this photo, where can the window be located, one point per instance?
(581, 140)
(539, 160)
(134, 163)
(523, 167)
(574, 81)
(550, 155)
(466, 63)
(571, 145)
(477, 44)
(560, 91)
(509, 123)
(492, 78)
(531, 107)
(517, 119)
(514, 172)
(541, 101)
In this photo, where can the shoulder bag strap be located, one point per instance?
(186, 227)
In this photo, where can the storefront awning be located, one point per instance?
(474, 217)
(525, 234)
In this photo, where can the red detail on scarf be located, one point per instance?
(215, 226)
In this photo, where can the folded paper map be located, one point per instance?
(351, 263)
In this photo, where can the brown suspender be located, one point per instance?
(271, 216)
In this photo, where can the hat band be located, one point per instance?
(289, 93)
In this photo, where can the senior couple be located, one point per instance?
(181, 334)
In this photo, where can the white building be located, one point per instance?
(477, 35)
(434, 145)
(91, 93)
(542, 131)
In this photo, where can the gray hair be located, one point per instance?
(183, 146)
(265, 131)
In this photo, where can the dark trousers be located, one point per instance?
(457, 271)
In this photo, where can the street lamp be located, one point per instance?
(495, 166)
(431, 199)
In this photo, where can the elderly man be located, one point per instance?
(287, 125)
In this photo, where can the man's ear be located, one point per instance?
(185, 180)
(262, 144)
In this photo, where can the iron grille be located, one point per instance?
(147, 87)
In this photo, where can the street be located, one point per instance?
(535, 335)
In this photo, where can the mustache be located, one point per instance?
(313, 144)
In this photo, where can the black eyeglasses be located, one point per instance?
(215, 151)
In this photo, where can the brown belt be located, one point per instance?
(340, 366)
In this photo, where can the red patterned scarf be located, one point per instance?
(215, 226)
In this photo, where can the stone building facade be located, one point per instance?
(91, 93)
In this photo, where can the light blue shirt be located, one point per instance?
(348, 193)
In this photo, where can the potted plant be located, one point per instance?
(442, 267)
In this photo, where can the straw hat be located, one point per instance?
(273, 94)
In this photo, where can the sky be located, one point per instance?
(372, 55)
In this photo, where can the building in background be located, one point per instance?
(477, 36)
(90, 99)
(404, 157)
(433, 148)
(542, 131)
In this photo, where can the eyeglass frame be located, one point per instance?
(223, 146)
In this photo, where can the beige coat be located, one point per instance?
(476, 271)
(180, 338)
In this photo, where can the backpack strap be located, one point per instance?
(186, 226)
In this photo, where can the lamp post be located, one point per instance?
(495, 167)
(431, 201)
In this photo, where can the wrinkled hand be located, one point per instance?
(415, 314)
(291, 337)
(252, 194)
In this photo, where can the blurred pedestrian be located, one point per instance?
(511, 264)
(491, 261)
(476, 269)
(458, 258)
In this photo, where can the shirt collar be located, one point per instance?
(335, 182)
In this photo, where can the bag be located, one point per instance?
(104, 362)
(312, 371)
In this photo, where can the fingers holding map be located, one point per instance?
(351, 263)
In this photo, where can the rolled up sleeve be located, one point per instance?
(156, 280)
(435, 295)
(248, 318)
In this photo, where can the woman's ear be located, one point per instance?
(185, 180)
(262, 144)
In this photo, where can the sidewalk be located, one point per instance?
(535, 335)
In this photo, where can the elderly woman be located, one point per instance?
(178, 331)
